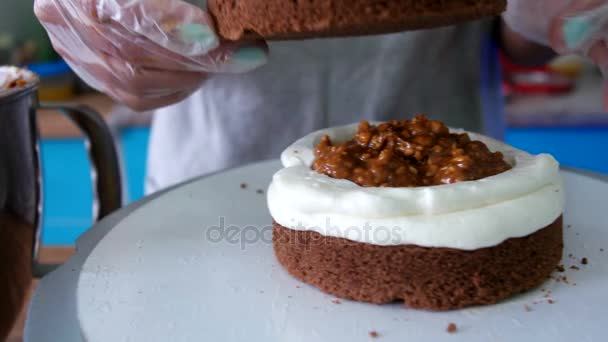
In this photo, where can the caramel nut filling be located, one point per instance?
(407, 153)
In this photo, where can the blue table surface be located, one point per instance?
(583, 148)
(68, 189)
(68, 194)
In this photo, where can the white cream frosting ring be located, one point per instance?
(465, 215)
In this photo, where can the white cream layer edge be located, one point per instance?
(466, 215)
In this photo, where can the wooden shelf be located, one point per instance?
(52, 124)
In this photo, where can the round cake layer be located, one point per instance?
(511, 204)
(288, 19)
(425, 278)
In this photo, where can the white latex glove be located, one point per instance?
(568, 26)
(144, 53)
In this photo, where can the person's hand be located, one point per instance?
(144, 53)
(568, 26)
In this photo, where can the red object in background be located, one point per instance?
(523, 80)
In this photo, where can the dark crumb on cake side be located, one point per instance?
(374, 334)
(452, 328)
(416, 275)
(243, 185)
(584, 261)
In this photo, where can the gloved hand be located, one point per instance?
(144, 53)
(568, 26)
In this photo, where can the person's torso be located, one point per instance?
(308, 85)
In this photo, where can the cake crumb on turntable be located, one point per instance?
(601, 249)
(374, 334)
(452, 328)
(243, 185)
(336, 301)
(584, 261)
(527, 308)
(260, 191)
(550, 301)
(560, 268)
(574, 267)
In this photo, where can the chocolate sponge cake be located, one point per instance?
(414, 211)
(423, 278)
(298, 19)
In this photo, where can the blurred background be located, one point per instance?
(555, 108)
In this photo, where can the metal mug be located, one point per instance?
(21, 187)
